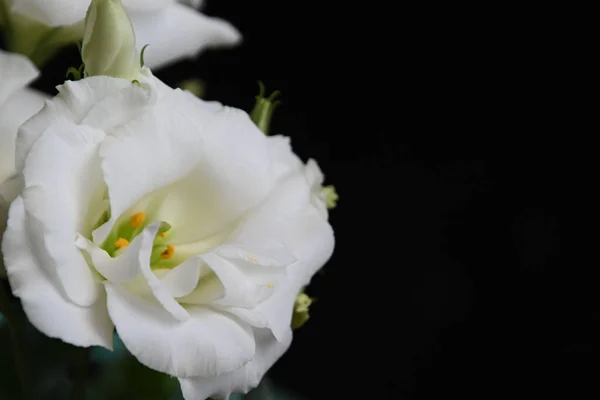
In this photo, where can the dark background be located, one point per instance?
(437, 127)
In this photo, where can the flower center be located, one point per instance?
(125, 231)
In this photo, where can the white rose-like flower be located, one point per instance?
(174, 219)
(173, 30)
(17, 104)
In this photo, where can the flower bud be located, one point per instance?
(194, 85)
(263, 109)
(109, 41)
(301, 310)
(330, 196)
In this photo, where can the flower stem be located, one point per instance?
(17, 347)
(82, 358)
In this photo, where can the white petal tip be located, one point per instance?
(224, 34)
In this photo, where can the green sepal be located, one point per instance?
(142, 62)
(263, 110)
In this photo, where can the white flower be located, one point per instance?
(174, 31)
(176, 220)
(16, 105)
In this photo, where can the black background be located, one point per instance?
(437, 127)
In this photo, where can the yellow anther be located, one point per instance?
(119, 244)
(163, 234)
(270, 285)
(137, 219)
(252, 260)
(168, 253)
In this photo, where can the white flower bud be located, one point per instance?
(109, 41)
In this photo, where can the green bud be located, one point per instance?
(194, 85)
(301, 310)
(264, 108)
(331, 196)
(109, 41)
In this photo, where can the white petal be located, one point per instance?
(242, 287)
(226, 284)
(311, 241)
(268, 351)
(72, 104)
(257, 255)
(283, 158)
(232, 175)
(146, 5)
(51, 12)
(16, 105)
(313, 174)
(62, 182)
(148, 153)
(190, 102)
(262, 230)
(9, 190)
(159, 291)
(120, 107)
(197, 4)
(42, 300)
(315, 179)
(120, 269)
(199, 111)
(181, 280)
(268, 230)
(30, 131)
(19, 108)
(79, 97)
(179, 32)
(208, 344)
(16, 72)
(208, 287)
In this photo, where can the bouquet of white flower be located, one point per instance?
(133, 206)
